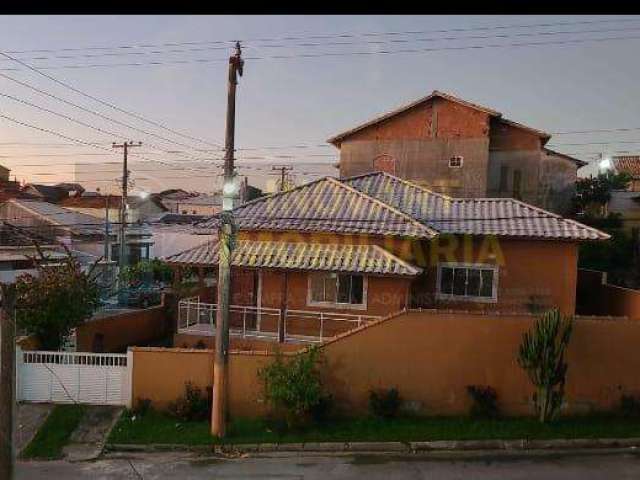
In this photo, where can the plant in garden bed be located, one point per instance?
(542, 355)
(384, 403)
(194, 405)
(294, 389)
(485, 401)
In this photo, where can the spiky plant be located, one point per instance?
(542, 355)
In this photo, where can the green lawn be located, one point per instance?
(55, 432)
(158, 428)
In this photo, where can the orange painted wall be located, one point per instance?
(431, 358)
(121, 331)
(531, 271)
(159, 374)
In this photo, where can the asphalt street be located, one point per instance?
(484, 465)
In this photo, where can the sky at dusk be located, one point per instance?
(299, 87)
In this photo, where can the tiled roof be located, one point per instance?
(628, 164)
(74, 222)
(301, 256)
(476, 216)
(325, 205)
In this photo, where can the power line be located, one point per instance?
(46, 130)
(107, 104)
(93, 112)
(337, 54)
(326, 36)
(331, 44)
(599, 130)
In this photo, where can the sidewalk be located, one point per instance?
(88, 439)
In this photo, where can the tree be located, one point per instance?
(593, 193)
(147, 270)
(55, 300)
(542, 355)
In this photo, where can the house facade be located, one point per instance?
(140, 209)
(82, 233)
(627, 202)
(461, 149)
(372, 245)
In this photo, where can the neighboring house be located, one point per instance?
(140, 209)
(190, 203)
(375, 244)
(460, 149)
(627, 202)
(52, 193)
(173, 233)
(18, 254)
(81, 233)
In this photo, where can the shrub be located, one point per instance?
(321, 411)
(194, 405)
(630, 406)
(142, 406)
(541, 354)
(485, 401)
(384, 403)
(293, 387)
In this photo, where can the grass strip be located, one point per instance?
(159, 428)
(54, 433)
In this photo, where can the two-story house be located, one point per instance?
(461, 149)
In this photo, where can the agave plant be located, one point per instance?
(542, 355)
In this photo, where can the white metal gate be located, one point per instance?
(66, 377)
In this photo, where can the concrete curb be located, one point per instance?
(390, 447)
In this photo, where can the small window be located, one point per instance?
(337, 289)
(467, 282)
(456, 161)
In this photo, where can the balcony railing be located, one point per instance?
(198, 318)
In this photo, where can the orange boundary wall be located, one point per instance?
(597, 297)
(429, 356)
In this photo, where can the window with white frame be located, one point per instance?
(337, 289)
(473, 282)
(456, 161)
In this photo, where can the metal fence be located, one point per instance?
(198, 318)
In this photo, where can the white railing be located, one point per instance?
(198, 318)
(74, 358)
(318, 326)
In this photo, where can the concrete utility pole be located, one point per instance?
(8, 382)
(284, 169)
(226, 240)
(123, 208)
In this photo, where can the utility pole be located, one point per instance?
(226, 241)
(284, 169)
(122, 263)
(8, 382)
